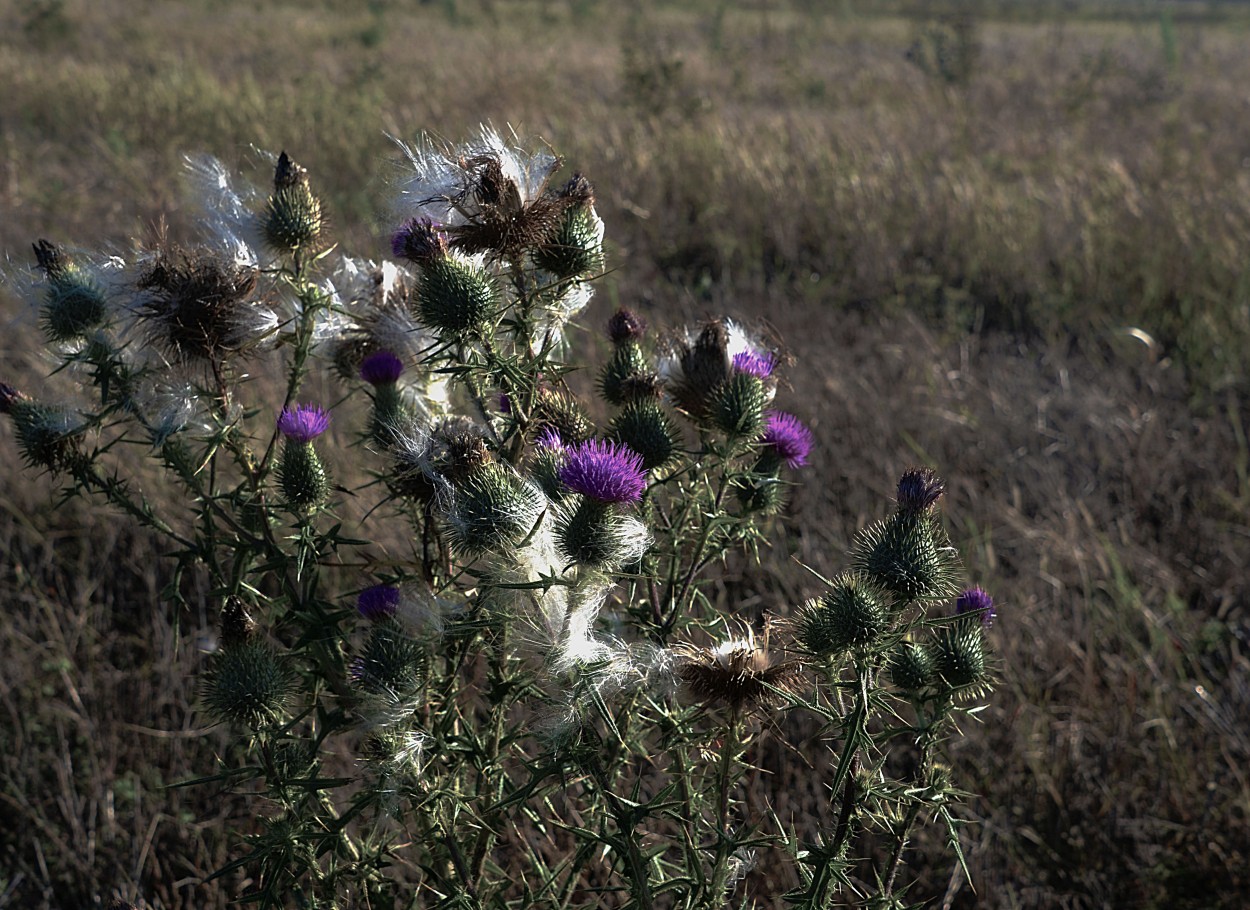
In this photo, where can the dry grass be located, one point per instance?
(952, 263)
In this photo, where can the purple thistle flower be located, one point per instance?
(549, 438)
(378, 602)
(975, 600)
(755, 363)
(626, 325)
(381, 368)
(918, 489)
(505, 403)
(303, 424)
(788, 438)
(604, 471)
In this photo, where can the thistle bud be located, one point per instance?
(493, 509)
(390, 662)
(74, 303)
(700, 368)
(646, 428)
(305, 483)
(628, 376)
(293, 219)
(736, 406)
(247, 683)
(761, 491)
(562, 413)
(907, 554)
(454, 295)
(47, 435)
(575, 247)
(960, 654)
(549, 459)
(626, 326)
(851, 614)
(911, 666)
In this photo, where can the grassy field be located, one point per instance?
(1008, 240)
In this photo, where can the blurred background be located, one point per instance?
(1009, 239)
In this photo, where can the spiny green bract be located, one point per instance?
(851, 614)
(391, 661)
(249, 684)
(293, 219)
(960, 654)
(454, 295)
(737, 406)
(647, 429)
(908, 555)
(575, 248)
(628, 375)
(73, 305)
(304, 480)
(911, 666)
(493, 509)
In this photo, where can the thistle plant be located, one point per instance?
(533, 699)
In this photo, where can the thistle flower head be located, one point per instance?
(304, 423)
(976, 602)
(493, 509)
(606, 472)
(563, 413)
(378, 602)
(549, 438)
(381, 368)
(851, 614)
(759, 364)
(919, 489)
(593, 533)
(787, 438)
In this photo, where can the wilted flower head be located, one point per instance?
(419, 240)
(304, 423)
(604, 471)
(740, 672)
(200, 306)
(491, 197)
(381, 368)
(976, 601)
(378, 602)
(787, 438)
